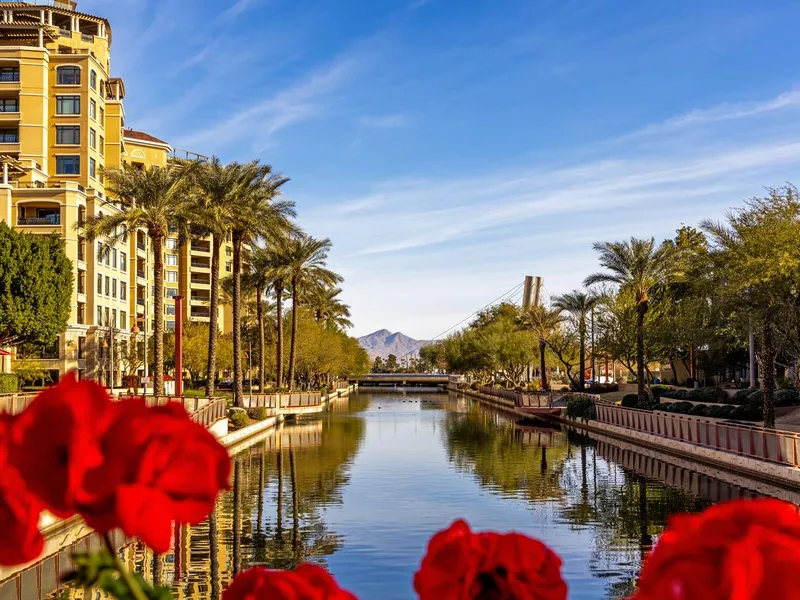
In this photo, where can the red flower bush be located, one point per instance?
(462, 565)
(159, 467)
(741, 550)
(57, 440)
(307, 582)
(20, 540)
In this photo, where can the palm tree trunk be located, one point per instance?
(542, 348)
(238, 376)
(262, 363)
(213, 323)
(641, 309)
(158, 308)
(582, 354)
(768, 370)
(293, 341)
(279, 343)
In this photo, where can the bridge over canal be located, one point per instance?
(401, 380)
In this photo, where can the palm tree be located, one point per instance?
(215, 184)
(328, 307)
(579, 305)
(542, 321)
(305, 266)
(153, 199)
(642, 268)
(255, 215)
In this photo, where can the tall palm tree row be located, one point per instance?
(578, 304)
(641, 267)
(328, 308)
(154, 199)
(257, 215)
(304, 265)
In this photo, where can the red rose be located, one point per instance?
(20, 540)
(56, 440)
(740, 550)
(462, 565)
(159, 467)
(307, 582)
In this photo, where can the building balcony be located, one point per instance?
(141, 246)
(53, 220)
(200, 298)
(140, 274)
(201, 264)
(204, 247)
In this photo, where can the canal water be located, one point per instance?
(362, 488)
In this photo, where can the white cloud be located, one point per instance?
(238, 7)
(388, 121)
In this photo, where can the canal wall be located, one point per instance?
(754, 468)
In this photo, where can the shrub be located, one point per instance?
(238, 418)
(708, 394)
(630, 400)
(787, 397)
(785, 383)
(660, 390)
(564, 389)
(699, 410)
(9, 383)
(682, 408)
(533, 386)
(725, 411)
(581, 408)
(257, 414)
(755, 398)
(741, 397)
(676, 394)
(602, 388)
(648, 406)
(714, 410)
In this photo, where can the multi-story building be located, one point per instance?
(62, 121)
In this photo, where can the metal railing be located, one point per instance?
(519, 399)
(140, 245)
(51, 221)
(754, 442)
(140, 273)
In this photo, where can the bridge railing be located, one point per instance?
(519, 399)
(776, 446)
(282, 400)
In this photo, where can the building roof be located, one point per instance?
(132, 134)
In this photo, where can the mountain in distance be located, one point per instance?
(383, 343)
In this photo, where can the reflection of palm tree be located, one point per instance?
(279, 525)
(237, 517)
(213, 541)
(295, 502)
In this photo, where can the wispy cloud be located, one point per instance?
(259, 122)
(238, 7)
(387, 121)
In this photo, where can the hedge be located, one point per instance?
(630, 400)
(9, 383)
(742, 396)
(581, 408)
(708, 394)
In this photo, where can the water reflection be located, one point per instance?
(361, 489)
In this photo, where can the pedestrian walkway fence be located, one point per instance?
(283, 400)
(776, 446)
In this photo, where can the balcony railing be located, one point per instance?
(140, 301)
(51, 220)
(67, 33)
(200, 265)
(7, 77)
(201, 248)
(140, 273)
(140, 245)
(87, 37)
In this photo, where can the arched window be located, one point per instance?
(81, 216)
(93, 79)
(68, 76)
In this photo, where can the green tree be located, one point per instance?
(392, 365)
(305, 261)
(543, 321)
(579, 305)
(256, 214)
(328, 307)
(153, 199)
(35, 287)
(757, 261)
(641, 267)
(378, 366)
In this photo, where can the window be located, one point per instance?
(68, 134)
(92, 167)
(93, 79)
(123, 320)
(108, 285)
(9, 104)
(170, 310)
(9, 136)
(92, 139)
(93, 109)
(82, 347)
(123, 261)
(228, 266)
(99, 284)
(172, 260)
(172, 244)
(99, 253)
(113, 322)
(124, 234)
(102, 144)
(81, 281)
(172, 292)
(108, 256)
(68, 165)
(99, 315)
(68, 105)
(114, 258)
(169, 326)
(123, 290)
(103, 116)
(228, 251)
(68, 76)
(81, 316)
(113, 288)
(81, 247)
(172, 276)
(107, 316)
(9, 73)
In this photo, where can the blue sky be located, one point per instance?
(450, 147)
